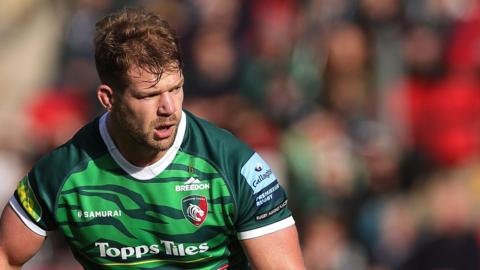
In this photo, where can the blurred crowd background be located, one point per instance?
(368, 111)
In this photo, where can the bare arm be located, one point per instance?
(17, 242)
(277, 251)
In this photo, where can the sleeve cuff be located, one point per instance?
(282, 224)
(24, 217)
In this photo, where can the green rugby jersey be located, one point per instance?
(187, 211)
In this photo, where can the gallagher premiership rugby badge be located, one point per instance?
(195, 209)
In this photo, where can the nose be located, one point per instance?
(166, 104)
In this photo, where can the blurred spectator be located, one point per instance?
(54, 116)
(324, 170)
(348, 89)
(78, 42)
(450, 241)
(218, 15)
(437, 110)
(378, 147)
(177, 13)
(388, 226)
(267, 80)
(326, 245)
(382, 23)
(215, 64)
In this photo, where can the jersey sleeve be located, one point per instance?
(261, 200)
(30, 206)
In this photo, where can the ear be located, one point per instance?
(105, 96)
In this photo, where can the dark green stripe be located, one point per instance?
(75, 226)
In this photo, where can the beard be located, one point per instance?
(144, 137)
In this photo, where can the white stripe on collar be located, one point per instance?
(148, 172)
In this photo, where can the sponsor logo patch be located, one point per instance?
(258, 173)
(195, 209)
(268, 194)
(28, 199)
(106, 250)
(99, 214)
(192, 184)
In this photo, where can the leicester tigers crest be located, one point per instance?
(195, 209)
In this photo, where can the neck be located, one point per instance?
(133, 151)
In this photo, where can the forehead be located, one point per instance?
(141, 79)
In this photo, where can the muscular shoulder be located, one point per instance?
(45, 179)
(48, 174)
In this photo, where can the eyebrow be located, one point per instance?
(142, 92)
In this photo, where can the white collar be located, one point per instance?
(150, 171)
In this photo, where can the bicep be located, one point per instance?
(277, 250)
(17, 242)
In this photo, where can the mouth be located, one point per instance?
(164, 131)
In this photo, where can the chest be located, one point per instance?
(179, 215)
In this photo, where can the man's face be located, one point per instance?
(150, 113)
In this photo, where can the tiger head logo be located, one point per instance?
(195, 209)
(195, 212)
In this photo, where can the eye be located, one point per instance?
(176, 89)
(146, 97)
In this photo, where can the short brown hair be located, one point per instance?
(134, 38)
